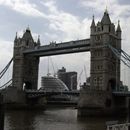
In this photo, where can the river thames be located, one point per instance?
(53, 119)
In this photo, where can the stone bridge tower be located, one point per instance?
(25, 68)
(105, 69)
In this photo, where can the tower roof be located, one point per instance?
(93, 22)
(27, 35)
(16, 37)
(118, 27)
(38, 40)
(106, 18)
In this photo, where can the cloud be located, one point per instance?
(70, 26)
(113, 6)
(51, 5)
(22, 6)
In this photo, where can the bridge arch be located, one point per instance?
(111, 84)
(27, 85)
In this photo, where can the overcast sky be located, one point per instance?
(60, 20)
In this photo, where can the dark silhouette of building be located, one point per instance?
(69, 78)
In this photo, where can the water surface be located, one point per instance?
(53, 119)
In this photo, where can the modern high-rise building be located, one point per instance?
(69, 78)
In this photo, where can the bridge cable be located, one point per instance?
(127, 56)
(6, 66)
(7, 83)
(121, 55)
(5, 69)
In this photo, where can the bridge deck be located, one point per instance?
(60, 48)
(37, 93)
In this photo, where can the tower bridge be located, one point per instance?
(99, 98)
(105, 67)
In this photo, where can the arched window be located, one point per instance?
(27, 43)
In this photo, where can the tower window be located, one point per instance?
(98, 37)
(27, 43)
(95, 81)
(102, 28)
(98, 29)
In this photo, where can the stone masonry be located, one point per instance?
(105, 69)
(25, 68)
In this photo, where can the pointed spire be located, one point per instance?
(28, 29)
(118, 27)
(27, 35)
(16, 37)
(38, 40)
(93, 22)
(106, 10)
(106, 18)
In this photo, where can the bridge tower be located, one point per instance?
(25, 68)
(105, 67)
(104, 71)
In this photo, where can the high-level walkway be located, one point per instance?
(60, 48)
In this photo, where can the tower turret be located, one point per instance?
(106, 22)
(93, 26)
(27, 39)
(118, 31)
(38, 41)
(16, 38)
